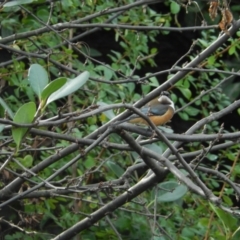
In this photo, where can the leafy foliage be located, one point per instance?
(69, 70)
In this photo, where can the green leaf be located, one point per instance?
(16, 3)
(236, 234)
(212, 157)
(72, 85)
(6, 108)
(108, 73)
(1, 128)
(109, 113)
(145, 89)
(232, 50)
(51, 88)
(43, 14)
(27, 161)
(186, 92)
(90, 162)
(206, 98)
(38, 78)
(203, 42)
(116, 169)
(184, 116)
(211, 60)
(174, 7)
(24, 115)
(229, 222)
(227, 200)
(154, 147)
(171, 191)
(153, 81)
(192, 111)
(183, 83)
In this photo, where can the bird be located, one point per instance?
(159, 110)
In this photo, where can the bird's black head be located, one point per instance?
(165, 93)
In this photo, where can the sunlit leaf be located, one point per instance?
(17, 2)
(51, 88)
(71, 86)
(38, 78)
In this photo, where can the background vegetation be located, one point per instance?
(72, 172)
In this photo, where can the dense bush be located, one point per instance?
(70, 72)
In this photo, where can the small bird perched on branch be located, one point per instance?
(159, 111)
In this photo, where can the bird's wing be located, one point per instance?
(156, 110)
